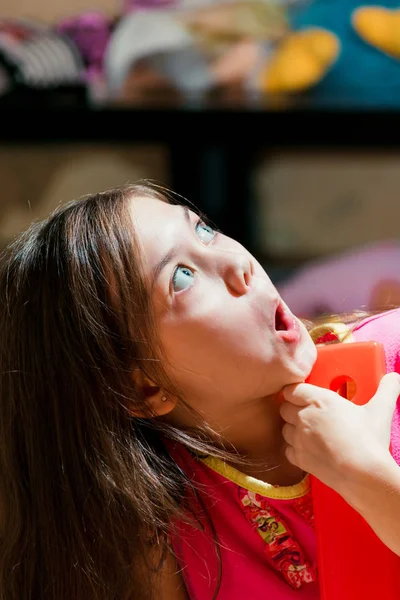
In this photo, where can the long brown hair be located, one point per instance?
(83, 485)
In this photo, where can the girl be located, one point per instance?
(144, 452)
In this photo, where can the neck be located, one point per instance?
(255, 432)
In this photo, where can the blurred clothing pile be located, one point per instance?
(187, 46)
(343, 52)
(34, 56)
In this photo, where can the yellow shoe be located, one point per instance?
(379, 27)
(300, 62)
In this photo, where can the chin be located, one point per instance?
(304, 359)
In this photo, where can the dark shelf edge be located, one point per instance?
(294, 127)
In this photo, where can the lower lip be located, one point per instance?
(291, 334)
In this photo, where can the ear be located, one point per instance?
(157, 401)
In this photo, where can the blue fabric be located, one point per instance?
(362, 76)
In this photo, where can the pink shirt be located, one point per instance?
(263, 534)
(385, 328)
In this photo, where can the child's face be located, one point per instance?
(228, 336)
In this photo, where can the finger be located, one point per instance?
(302, 394)
(289, 434)
(384, 400)
(289, 412)
(291, 455)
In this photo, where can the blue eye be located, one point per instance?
(205, 233)
(182, 279)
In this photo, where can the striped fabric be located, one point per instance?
(35, 56)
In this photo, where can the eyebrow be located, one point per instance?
(171, 253)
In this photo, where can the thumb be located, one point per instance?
(383, 403)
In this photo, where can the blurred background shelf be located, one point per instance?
(212, 145)
(68, 115)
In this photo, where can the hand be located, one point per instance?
(332, 438)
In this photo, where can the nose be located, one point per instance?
(237, 273)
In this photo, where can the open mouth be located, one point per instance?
(286, 325)
(280, 322)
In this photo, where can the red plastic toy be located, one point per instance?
(353, 563)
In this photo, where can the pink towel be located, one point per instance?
(385, 328)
